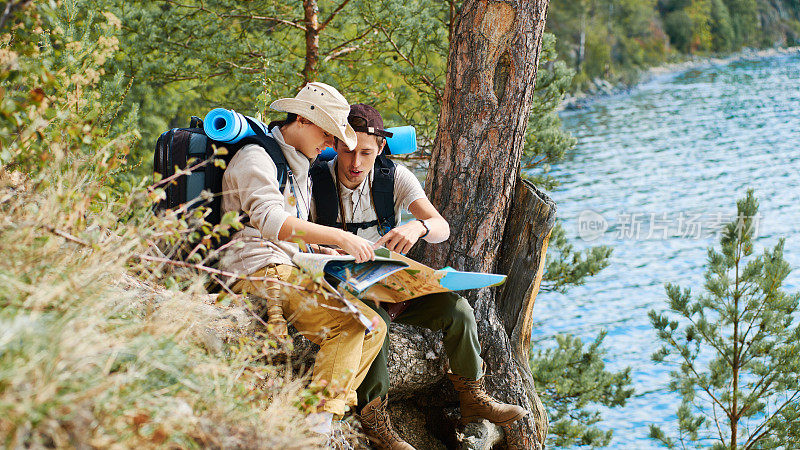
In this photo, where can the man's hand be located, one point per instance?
(355, 246)
(402, 238)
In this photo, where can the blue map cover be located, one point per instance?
(456, 280)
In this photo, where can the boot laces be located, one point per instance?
(380, 423)
(479, 393)
(386, 429)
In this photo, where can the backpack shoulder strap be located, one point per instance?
(323, 194)
(272, 148)
(383, 193)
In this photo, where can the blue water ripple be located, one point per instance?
(689, 143)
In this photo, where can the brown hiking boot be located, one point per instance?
(375, 421)
(476, 404)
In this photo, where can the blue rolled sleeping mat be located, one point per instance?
(403, 140)
(226, 125)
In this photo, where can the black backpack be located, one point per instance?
(182, 147)
(323, 194)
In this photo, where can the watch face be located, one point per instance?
(384, 228)
(424, 225)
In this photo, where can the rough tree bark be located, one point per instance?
(475, 166)
(522, 258)
(310, 11)
(312, 29)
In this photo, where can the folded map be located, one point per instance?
(392, 277)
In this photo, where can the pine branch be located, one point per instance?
(264, 18)
(423, 77)
(333, 14)
(242, 68)
(533, 164)
(680, 439)
(757, 338)
(698, 377)
(240, 16)
(719, 429)
(339, 53)
(754, 440)
(761, 305)
(346, 43)
(766, 386)
(711, 341)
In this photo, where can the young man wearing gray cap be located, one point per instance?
(350, 192)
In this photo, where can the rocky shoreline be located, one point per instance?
(600, 88)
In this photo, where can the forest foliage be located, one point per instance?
(615, 39)
(183, 58)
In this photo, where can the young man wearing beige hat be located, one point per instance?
(352, 176)
(316, 117)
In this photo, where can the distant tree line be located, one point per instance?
(614, 39)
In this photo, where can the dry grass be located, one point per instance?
(94, 350)
(90, 359)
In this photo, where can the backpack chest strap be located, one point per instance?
(327, 201)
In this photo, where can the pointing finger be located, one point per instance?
(382, 240)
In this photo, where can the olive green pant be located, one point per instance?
(446, 311)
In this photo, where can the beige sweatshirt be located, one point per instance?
(250, 184)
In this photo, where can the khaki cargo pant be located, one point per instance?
(346, 352)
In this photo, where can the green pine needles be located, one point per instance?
(735, 347)
(572, 379)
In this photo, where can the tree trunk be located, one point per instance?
(311, 11)
(582, 40)
(522, 258)
(474, 170)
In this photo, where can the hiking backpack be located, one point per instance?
(326, 205)
(182, 148)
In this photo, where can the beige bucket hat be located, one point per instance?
(323, 105)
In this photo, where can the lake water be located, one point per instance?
(675, 152)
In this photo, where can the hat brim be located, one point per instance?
(319, 117)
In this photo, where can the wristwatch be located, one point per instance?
(427, 230)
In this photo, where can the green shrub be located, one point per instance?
(678, 26)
